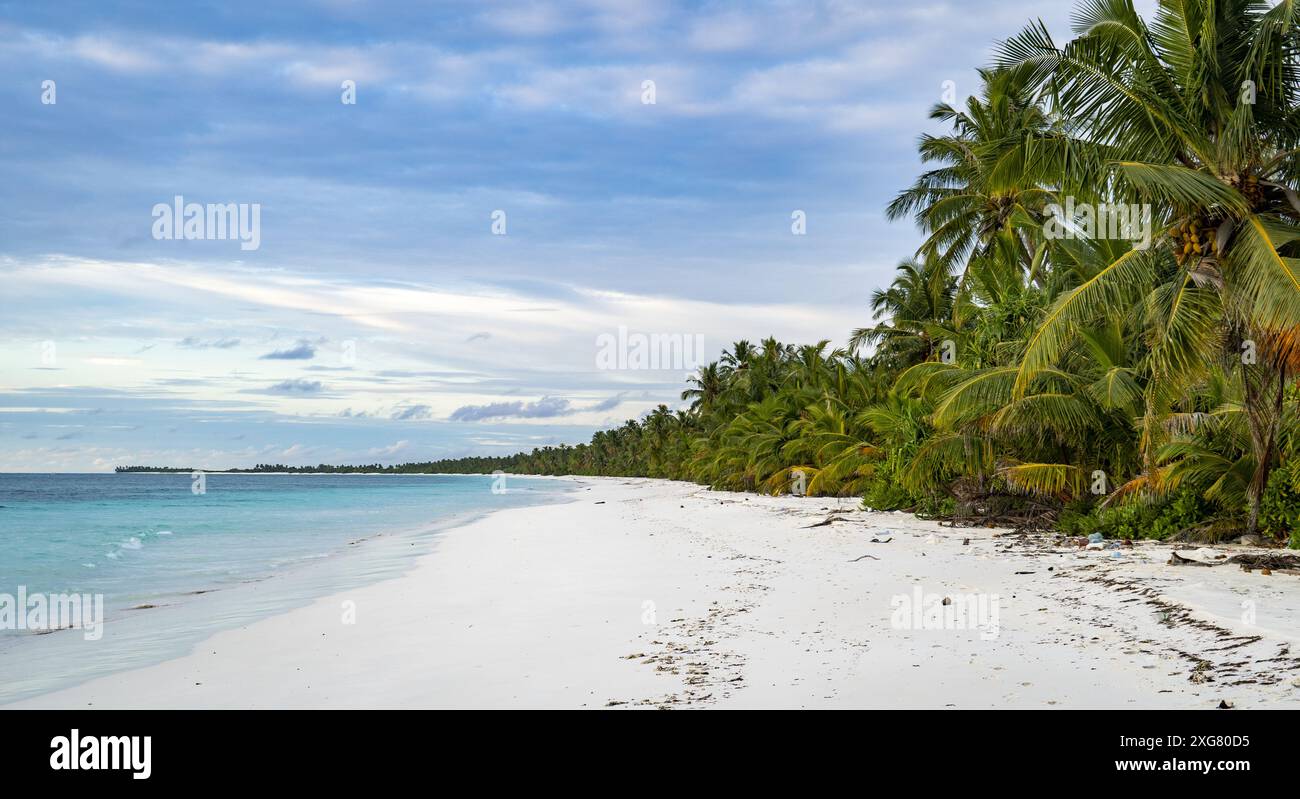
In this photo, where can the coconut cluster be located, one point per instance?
(1195, 239)
(1251, 189)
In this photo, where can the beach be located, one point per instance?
(638, 593)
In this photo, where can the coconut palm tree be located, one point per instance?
(1197, 115)
(913, 310)
(1025, 349)
(706, 388)
(996, 174)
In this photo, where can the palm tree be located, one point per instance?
(1169, 367)
(991, 185)
(706, 388)
(1197, 115)
(916, 306)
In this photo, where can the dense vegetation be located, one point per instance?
(1031, 364)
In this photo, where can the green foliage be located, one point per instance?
(1004, 368)
(1077, 518)
(936, 507)
(1137, 520)
(884, 491)
(1279, 512)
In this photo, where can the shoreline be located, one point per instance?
(632, 592)
(172, 624)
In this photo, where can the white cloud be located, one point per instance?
(111, 54)
(728, 31)
(409, 353)
(603, 90)
(390, 450)
(821, 63)
(525, 19)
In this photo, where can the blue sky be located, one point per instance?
(380, 318)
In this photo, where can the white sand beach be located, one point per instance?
(646, 594)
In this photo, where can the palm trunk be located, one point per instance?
(1264, 422)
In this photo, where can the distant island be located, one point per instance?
(478, 465)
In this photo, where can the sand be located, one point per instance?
(646, 594)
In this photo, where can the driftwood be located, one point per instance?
(829, 520)
(873, 557)
(1178, 560)
(980, 506)
(1268, 561)
(1245, 561)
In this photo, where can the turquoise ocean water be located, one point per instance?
(247, 547)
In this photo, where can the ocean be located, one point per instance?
(175, 559)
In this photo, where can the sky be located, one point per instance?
(456, 216)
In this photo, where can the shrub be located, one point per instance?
(1136, 520)
(885, 490)
(1077, 518)
(936, 507)
(884, 494)
(1279, 509)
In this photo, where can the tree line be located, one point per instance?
(1036, 361)
(1099, 331)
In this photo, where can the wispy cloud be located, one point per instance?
(411, 412)
(609, 404)
(302, 351)
(390, 450)
(297, 386)
(192, 342)
(544, 408)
